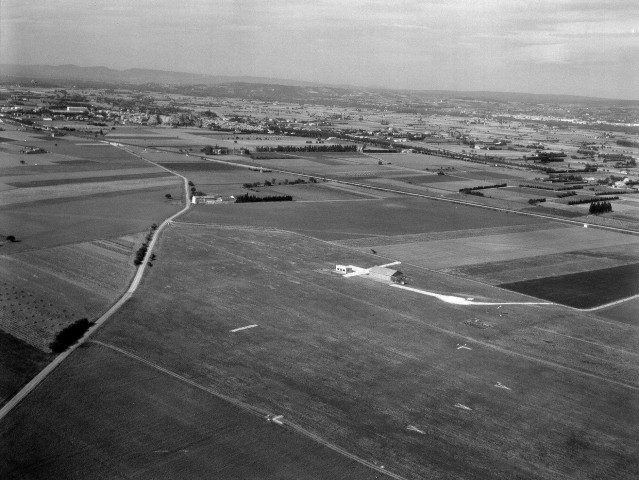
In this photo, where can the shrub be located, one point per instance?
(70, 335)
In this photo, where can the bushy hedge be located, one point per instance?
(591, 199)
(246, 198)
(470, 189)
(69, 335)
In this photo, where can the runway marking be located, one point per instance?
(500, 385)
(463, 407)
(459, 347)
(278, 419)
(243, 328)
(412, 428)
(390, 264)
(463, 301)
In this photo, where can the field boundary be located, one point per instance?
(251, 409)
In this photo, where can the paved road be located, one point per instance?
(29, 387)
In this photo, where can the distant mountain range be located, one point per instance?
(102, 76)
(132, 76)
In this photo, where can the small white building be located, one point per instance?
(344, 269)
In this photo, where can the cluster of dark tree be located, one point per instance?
(308, 148)
(141, 253)
(534, 201)
(566, 177)
(544, 157)
(246, 198)
(600, 207)
(567, 194)
(470, 189)
(286, 181)
(628, 143)
(69, 335)
(551, 187)
(592, 199)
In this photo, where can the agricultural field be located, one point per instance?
(584, 289)
(19, 362)
(358, 362)
(477, 249)
(75, 215)
(341, 220)
(44, 290)
(183, 432)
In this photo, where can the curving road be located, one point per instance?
(44, 373)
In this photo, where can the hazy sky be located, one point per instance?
(582, 47)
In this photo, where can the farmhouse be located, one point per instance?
(212, 199)
(387, 274)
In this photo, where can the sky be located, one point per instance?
(579, 47)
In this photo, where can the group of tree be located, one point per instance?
(468, 190)
(592, 199)
(600, 207)
(534, 201)
(141, 252)
(246, 198)
(69, 335)
(308, 148)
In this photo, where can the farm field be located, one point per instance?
(584, 289)
(479, 249)
(358, 362)
(78, 219)
(165, 429)
(42, 291)
(575, 261)
(624, 312)
(19, 362)
(341, 220)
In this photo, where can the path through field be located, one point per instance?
(463, 301)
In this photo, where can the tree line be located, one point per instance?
(307, 148)
(246, 198)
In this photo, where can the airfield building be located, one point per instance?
(387, 274)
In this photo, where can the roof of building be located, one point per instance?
(385, 271)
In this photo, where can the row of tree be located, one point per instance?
(308, 148)
(472, 189)
(592, 199)
(246, 198)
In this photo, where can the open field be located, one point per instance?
(358, 362)
(19, 362)
(584, 289)
(529, 268)
(42, 291)
(165, 429)
(102, 178)
(479, 249)
(339, 220)
(73, 220)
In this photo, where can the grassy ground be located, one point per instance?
(333, 221)
(19, 362)
(104, 415)
(359, 362)
(479, 249)
(73, 220)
